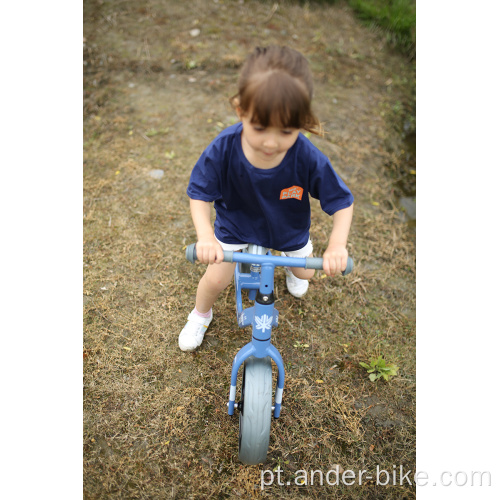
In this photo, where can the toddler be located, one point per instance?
(259, 174)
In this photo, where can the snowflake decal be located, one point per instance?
(263, 323)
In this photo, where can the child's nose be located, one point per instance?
(270, 141)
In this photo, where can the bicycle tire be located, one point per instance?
(256, 409)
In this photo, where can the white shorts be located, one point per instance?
(301, 252)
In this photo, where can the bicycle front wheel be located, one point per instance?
(255, 411)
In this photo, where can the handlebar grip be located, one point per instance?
(191, 254)
(314, 263)
(317, 263)
(349, 267)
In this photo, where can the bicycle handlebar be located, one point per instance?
(250, 258)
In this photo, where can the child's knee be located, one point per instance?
(217, 278)
(215, 284)
(303, 274)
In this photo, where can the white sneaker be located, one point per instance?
(296, 286)
(193, 332)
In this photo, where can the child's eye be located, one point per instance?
(286, 132)
(258, 128)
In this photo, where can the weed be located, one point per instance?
(378, 368)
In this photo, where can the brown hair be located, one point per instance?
(275, 86)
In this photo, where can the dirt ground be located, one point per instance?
(157, 78)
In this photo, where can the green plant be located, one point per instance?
(378, 368)
(398, 17)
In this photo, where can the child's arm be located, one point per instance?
(208, 249)
(335, 256)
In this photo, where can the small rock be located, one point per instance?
(157, 174)
(194, 32)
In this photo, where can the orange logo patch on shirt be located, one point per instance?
(292, 192)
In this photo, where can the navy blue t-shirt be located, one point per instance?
(268, 207)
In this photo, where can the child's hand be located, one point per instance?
(209, 251)
(335, 259)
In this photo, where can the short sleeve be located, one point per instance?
(327, 186)
(205, 181)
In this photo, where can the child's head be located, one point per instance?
(275, 89)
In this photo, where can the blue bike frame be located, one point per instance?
(262, 315)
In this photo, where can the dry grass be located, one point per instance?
(155, 422)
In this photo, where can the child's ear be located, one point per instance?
(235, 102)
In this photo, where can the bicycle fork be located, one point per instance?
(262, 316)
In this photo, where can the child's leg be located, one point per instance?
(216, 278)
(303, 274)
(299, 272)
(297, 279)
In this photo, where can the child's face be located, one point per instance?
(265, 147)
